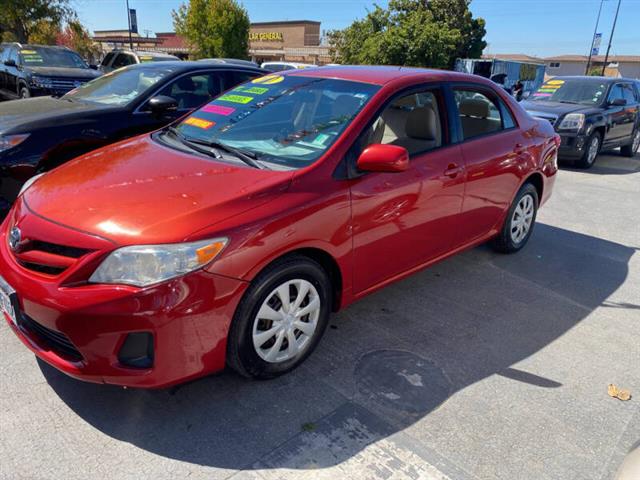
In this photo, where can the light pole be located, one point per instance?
(593, 40)
(129, 23)
(613, 29)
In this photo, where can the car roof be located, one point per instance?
(380, 75)
(592, 78)
(180, 66)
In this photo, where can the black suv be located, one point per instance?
(35, 70)
(590, 114)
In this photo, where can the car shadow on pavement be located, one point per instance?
(608, 163)
(387, 362)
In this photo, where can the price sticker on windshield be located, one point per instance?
(199, 123)
(235, 98)
(269, 79)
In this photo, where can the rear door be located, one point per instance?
(11, 74)
(402, 220)
(631, 110)
(494, 149)
(616, 115)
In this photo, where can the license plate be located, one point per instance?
(7, 294)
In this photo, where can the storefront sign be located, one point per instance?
(266, 37)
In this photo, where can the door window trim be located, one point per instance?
(492, 95)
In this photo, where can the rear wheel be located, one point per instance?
(631, 149)
(591, 151)
(518, 224)
(280, 319)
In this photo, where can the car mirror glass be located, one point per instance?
(162, 104)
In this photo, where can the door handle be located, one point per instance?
(519, 149)
(452, 170)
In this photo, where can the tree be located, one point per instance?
(411, 32)
(20, 19)
(214, 28)
(77, 38)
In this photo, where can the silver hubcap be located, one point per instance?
(593, 150)
(522, 219)
(636, 142)
(286, 321)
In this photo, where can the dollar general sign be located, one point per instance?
(265, 37)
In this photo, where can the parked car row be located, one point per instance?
(226, 236)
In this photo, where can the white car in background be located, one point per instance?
(280, 66)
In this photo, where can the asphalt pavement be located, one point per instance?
(484, 366)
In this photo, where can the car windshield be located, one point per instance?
(120, 87)
(50, 57)
(584, 92)
(286, 120)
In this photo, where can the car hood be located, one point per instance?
(140, 192)
(21, 115)
(555, 108)
(64, 72)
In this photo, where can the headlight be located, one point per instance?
(11, 141)
(41, 82)
(572, 121)
(29, 182)
(144, 265)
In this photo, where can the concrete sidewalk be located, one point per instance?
(482, 367)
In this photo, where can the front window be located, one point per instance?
(286, 120)
(578, 91)
(50, 57)
(120, 87)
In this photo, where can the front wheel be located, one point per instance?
(24, 92)
(631, 149)
(591, 151)
(280, 319)
(518, 224)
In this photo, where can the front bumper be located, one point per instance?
(188, 318)
(572, 145)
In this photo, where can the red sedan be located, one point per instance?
(229, 238)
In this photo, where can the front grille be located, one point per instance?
(47, 258)
(551, 120)
(57, 341)
(66, 83)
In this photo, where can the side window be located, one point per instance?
(107, 60)
(479, 115)
(412, 121)
(122, 60)
(3, 51)
(616, 92)
(191, 91)
(507, 118)
(13, 55)
(233, 78)
(628, 94)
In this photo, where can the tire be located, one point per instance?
(268, 359)
(631, 149)
(508, 242)
(24, 92)
(591, 151)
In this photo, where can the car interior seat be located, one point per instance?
(474, 116)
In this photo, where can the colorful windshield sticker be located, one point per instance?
(199, 123)
(31, 56)
(235, 99)
(269, 79)
(537, 94)
(145, 58)
(253, 90)
(218, 109)
(555, 82)
(28, 52)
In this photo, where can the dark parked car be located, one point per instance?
(34, 70)
(38, 134)
(590, 114)
(123, 58)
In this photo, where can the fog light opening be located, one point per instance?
(137, 350)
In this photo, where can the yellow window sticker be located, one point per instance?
(235, 98)
(199, 123)
(269, 79)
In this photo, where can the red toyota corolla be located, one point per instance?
(229, 238)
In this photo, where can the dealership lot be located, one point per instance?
(483, 366)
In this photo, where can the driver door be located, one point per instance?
(402, 220)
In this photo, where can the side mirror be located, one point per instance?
(93, 66)
(162, 104)
(10, 63)
(618, 102)
(383, 158)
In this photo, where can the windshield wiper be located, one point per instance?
(248, 158)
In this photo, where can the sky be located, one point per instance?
(533, 27)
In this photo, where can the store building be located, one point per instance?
(292, 41)
(110, 39)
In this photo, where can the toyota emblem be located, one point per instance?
(15, 237)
